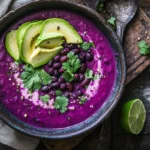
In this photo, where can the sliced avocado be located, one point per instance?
(21, 31)
(11, 44)
(41, 56)
(50, 40)
(61, 26)
(29, 38)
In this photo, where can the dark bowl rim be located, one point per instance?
(122, 83)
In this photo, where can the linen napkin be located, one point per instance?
(9, 136)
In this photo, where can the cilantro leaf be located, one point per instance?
(34, 78)
(46, 78)
(87, 45)
(68, 76)
(101, 6)
(61, 103)
(89, 74)
(144, 48)
(112, 21)
(45, 98)
(96, 76)
(71, 66)
(82, 100)
(58, 92)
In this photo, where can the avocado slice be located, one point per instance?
(11, 44)
(41, 56)
(50, 40)
(29, 38)
(62, 26)
(20, 32)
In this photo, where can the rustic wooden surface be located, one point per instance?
(139, 29)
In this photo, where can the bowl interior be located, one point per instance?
(107, 107)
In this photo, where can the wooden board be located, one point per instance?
(139, 28)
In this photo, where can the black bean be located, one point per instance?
(54, 79)
(61, 79)
(82, 77)
(57, 65)
(50, 64)
(76, 77)
(51, 71)
(85, 82)
(82, 57)
(63, 86)
(70, 87)
(70, 46)
(74, 95)
(63, 58)
(56, 85)
(83, 68)
(65, 51)
(79, 93)
(76, 51)
(57, 58)
(52, 93)
(67, 94)
(45, 89)
(61, 70)
(56, 73)
(89, 56)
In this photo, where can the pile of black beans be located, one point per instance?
(56, 70)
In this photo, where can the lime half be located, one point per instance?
(132, 117)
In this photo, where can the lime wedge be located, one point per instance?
(132, 117)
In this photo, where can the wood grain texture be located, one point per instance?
(135, 64)
(138, 29)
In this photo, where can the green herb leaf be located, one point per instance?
(112, 21)
(58, 92)
(61, 103)
(46, 78)
(71, 66)
(34, 78)
(82, 100)
(45, 98)
(87, 45)
(96, 76)
(101, 6)
(89, 74)
(68, 76)
(144, 48)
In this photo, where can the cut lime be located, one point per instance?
(132, 117)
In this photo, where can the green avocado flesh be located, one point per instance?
(38, 42)
(29, 38)
(20, 32)
(11, 44)
(41, 56)
(61, 26)
(50, 40)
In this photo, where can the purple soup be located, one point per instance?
(27, 105)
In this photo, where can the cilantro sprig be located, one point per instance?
(101, 6)
(112, 21)
(61, 103)
(87, 45)
(34, 78)
(82, 100)
(89, 74)
(144, 48)
(45, 98)
(58, 92)
(71, 66)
